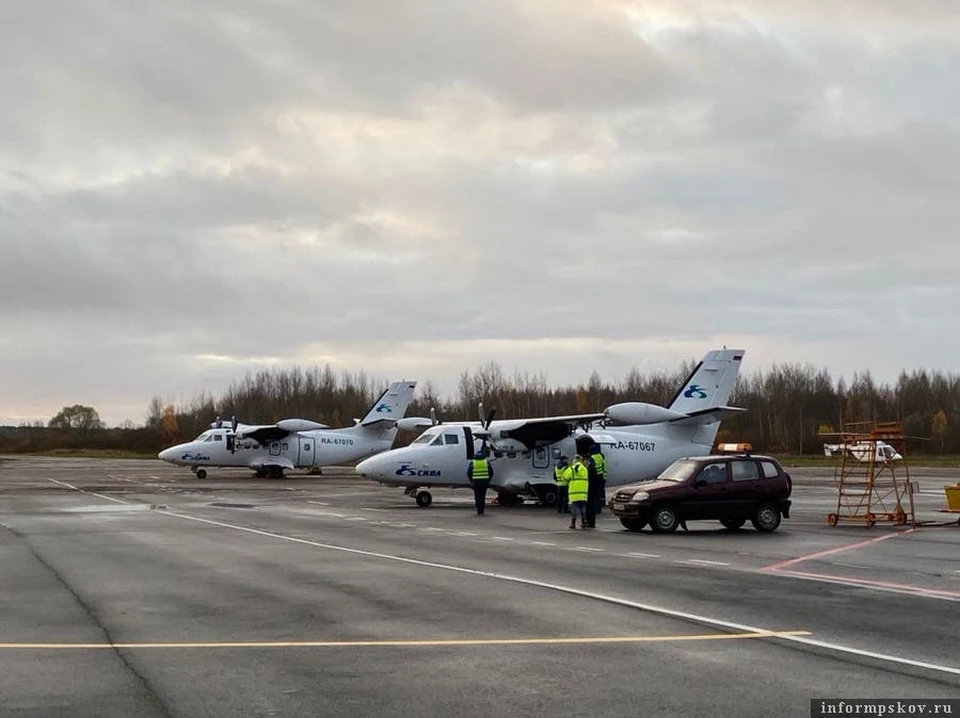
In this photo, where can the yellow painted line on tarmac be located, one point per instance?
(410, 643)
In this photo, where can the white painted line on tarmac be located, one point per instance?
(587, 548)
(92, 493)
(64, 483)
(548, 543)
(704, 562)
(649, 608)
(633, 554)
(109, 498)
(466, 533)
(501, 538)
(318, 503)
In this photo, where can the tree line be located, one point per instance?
(789, 406)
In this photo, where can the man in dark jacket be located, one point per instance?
(479, 473)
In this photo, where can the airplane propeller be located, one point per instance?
(485, 421)
(434, 421)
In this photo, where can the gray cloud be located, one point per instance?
(418, 188)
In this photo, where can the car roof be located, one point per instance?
(717, 457)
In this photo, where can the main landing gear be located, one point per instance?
(201, 473)
(423, 497)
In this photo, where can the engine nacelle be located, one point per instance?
(638, 412)
(414, 423)
(299, 425)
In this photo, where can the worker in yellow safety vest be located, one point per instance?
(600, 465)
(577, 489)
(479, 473)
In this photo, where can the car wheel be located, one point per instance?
(665, 519)
(733, 524)
(633, 524)
(767, 518)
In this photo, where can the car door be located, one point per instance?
(745, 487)
(709, 493)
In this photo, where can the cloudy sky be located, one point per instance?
(195, 188)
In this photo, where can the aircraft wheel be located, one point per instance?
(424, 499)
(201, 473)
(548, 497)
(833, 519)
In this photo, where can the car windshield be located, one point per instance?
(678, 471)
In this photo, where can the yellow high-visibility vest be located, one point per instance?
(600, 463)
(481, 471)
(579, 484)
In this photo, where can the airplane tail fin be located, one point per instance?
(709, 385)
(389, 407)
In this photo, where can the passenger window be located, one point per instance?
(285, 446)
(770, 470)
(713, 474)
(744, 470)
(451, 439)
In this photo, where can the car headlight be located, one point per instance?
(640, 496)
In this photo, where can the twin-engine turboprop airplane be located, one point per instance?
(299, 443)
(523, 452)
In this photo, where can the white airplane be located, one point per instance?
(299, 443)
(879, 452)
(523, 452)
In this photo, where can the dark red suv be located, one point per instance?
(731, 489)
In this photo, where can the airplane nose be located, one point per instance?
(167, 454)
(370, 468)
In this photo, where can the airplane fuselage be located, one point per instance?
(440, 458)
(300, 450)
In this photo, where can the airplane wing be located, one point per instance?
(541, 431)
(263, 434)
(707, 416)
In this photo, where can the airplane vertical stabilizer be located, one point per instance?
(710, 384)
(390, 406)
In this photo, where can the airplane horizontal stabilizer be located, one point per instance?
(378, 423)
(707, 416)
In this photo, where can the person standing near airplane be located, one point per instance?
(596, 456)
(479, 473)
(577, 492)
(593, 489)
(561, 474)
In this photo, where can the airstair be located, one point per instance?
(872, 485)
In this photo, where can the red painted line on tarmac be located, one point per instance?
(789, 562)
(874, 584)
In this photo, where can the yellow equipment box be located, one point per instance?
(953, 497)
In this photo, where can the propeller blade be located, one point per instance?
(233, 423)
(493, 413)
(433, 417)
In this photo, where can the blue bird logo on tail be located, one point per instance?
(695, 391)
(384, 407)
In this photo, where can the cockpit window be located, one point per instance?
(203, 437)
(451, 439)
(424, 438)
(218, 437)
